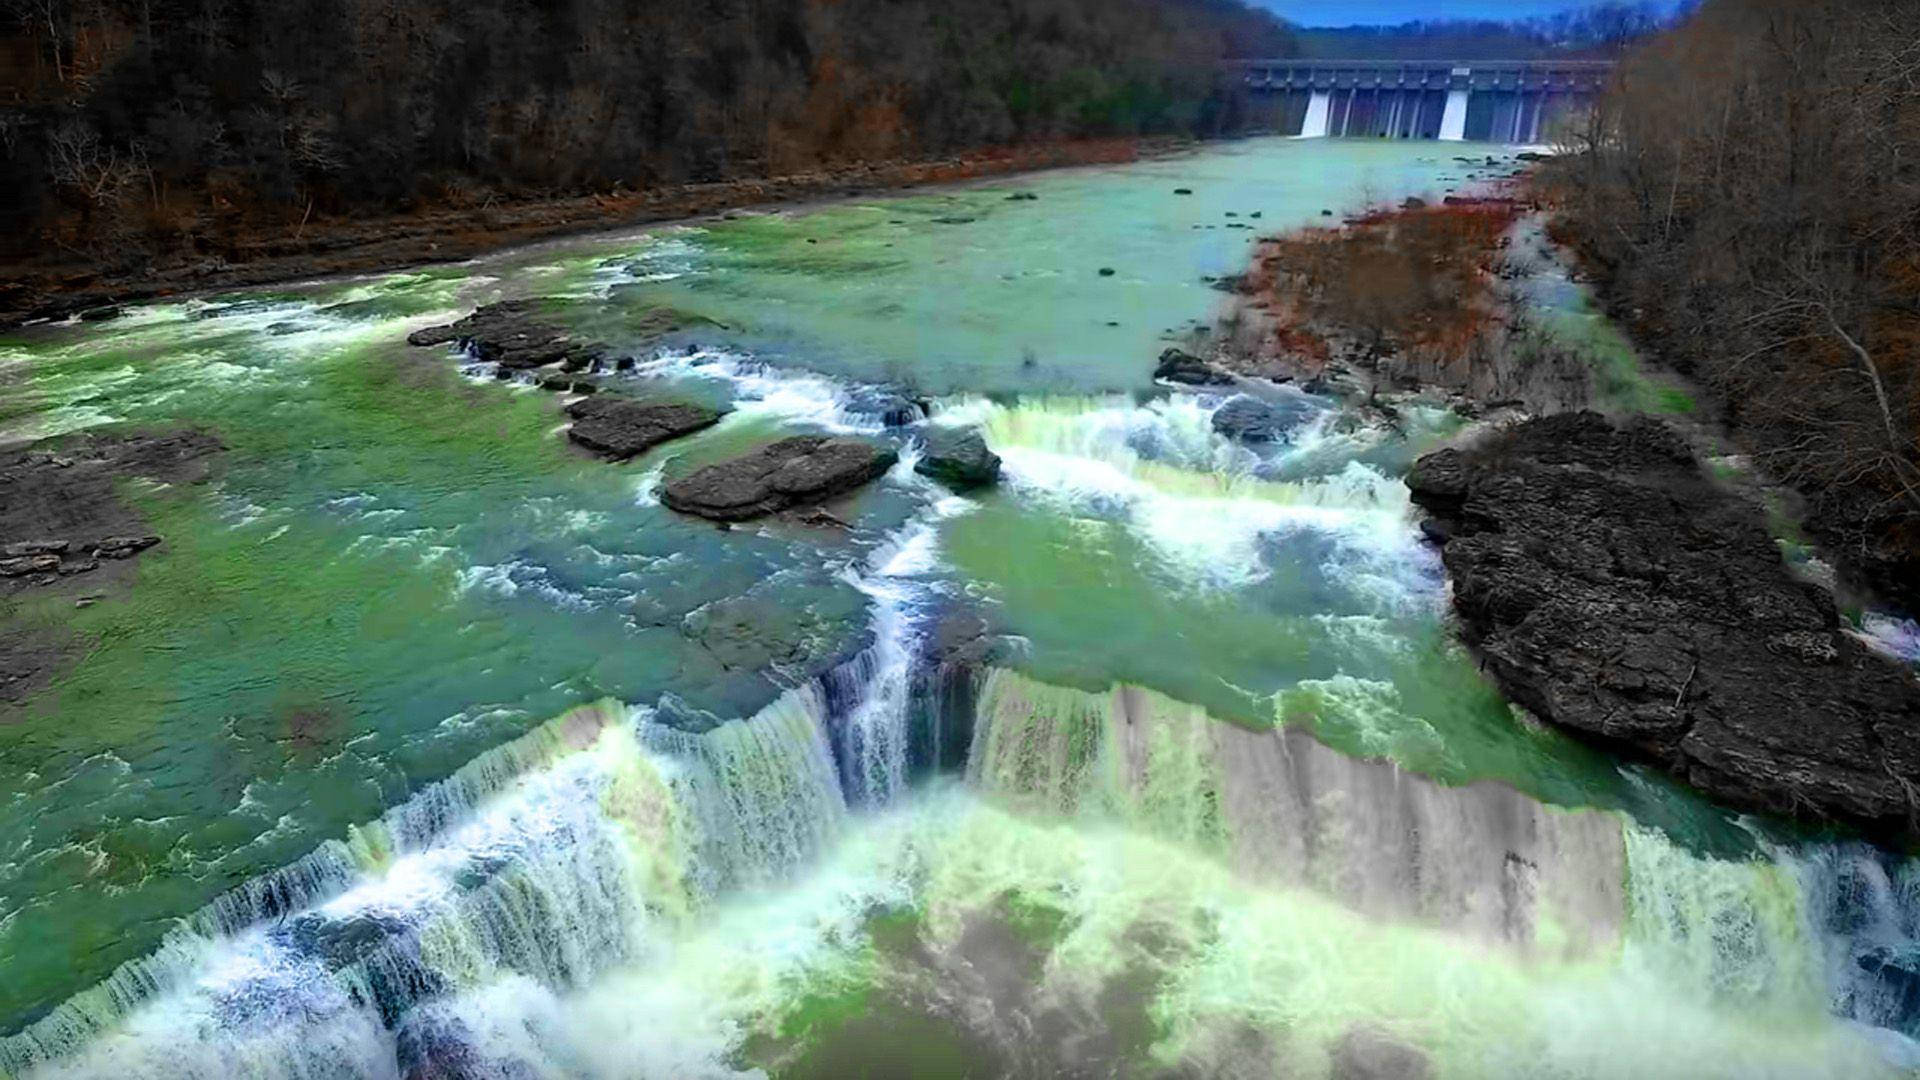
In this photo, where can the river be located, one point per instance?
(427, 746)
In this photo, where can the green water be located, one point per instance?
(400, 566)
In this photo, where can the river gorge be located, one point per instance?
(423, 744)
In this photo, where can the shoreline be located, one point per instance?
(388, 243)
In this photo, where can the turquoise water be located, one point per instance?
(424, 743)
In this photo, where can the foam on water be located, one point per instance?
(766, 391)
(1197, 500)
(1892, 635)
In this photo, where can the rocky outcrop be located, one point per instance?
(621, 427)
(1249, 419)
(60, 508)
(515, 335)
(1179, 366)
(1616, 592)
(792, 472)
(958, 457)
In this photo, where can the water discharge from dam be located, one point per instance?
(599, 791)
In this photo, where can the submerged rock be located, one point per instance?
(621, 427)
(781, 475)
(888, 408)
(1370, 1053)
(1179, 366)
(1612, 589)
(1249, 419)
(958, 457)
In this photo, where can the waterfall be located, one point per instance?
(330, 870)
(1280, 808)
(512, 919)
(1318, 107)
(552, 859)
(1453, 122)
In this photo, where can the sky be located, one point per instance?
(1348, 12)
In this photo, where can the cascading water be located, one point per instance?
(1218, 800)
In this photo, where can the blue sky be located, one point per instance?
(1347, 12)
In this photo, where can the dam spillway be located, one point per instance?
(1503, 101)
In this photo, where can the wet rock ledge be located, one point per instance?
(779, 476)
(60, 512)
(1613, 590)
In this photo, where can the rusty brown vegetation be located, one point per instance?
(1749, 193)
(1406, 298)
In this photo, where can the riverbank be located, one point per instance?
(1628, 587)
(301, 250)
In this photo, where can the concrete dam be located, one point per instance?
(1509, 101)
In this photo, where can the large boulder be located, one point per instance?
(791, 472)
(1250, 419)
(621, 427)
(1179, 366)
(1613, 590)
(958, 457)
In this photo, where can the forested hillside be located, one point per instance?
(135, 127)
(1595, 30)
(1751, 194)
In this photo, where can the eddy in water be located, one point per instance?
(1022, 715)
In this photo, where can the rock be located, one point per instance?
(620, 427)
(1414, 202)
(1249, 419)
(1182, 367)
(953, 221)
(1106, 271)
(1183, 191)
(888, 408)
(30, 564)
(123, 547)
(1529, 155)
(958, 457)
(788, 473)
(514, 335)
(1613, 590)
(1023, 196)
(1369, 1053)
(562, 384)
(24, 548)
(101, 314)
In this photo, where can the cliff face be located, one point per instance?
(1613, 590)
(133, 128)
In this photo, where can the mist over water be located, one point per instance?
(426, 747)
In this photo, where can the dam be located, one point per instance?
(1507, 101)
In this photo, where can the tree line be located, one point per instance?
(136, 126)
(1750, 191)
(1600, 30)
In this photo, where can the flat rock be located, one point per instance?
(1613, 590)
(958, 457)
(778, 476)
(516, 335)
(621, 427)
